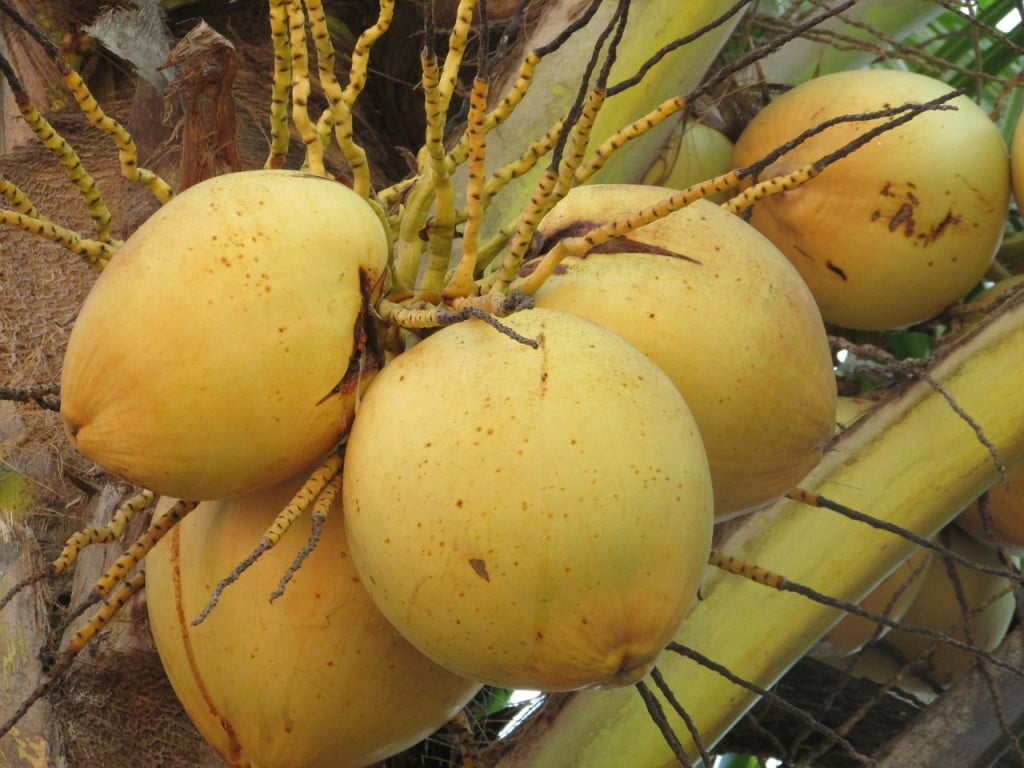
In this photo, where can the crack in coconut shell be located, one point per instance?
(367, 356)
(621, 244)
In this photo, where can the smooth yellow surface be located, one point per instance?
(316, 679)
(725, 315)
(532, 518)
(904, 226)
(204, 361)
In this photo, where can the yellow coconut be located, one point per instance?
(1004, 510)
(694, 153)
(725, 315)
(222, 349)
(904, 226)
(529, 517)
(891, 599)
(982, 622)
(315, 679)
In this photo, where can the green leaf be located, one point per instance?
(492, 701)
(906, 344)
(737, 761)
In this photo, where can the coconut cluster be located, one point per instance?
(527, 502)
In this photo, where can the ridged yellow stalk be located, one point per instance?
(913, 462)
(652, 24)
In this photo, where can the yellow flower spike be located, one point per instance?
(772, 186)
(672, 72)
(338, 116)
(525, 227)
(670, 106)
(355, 154)
(409, 245)
(456, 50)
(68, 158)
(103, 534)
(577, 144)
(160, 525)
(13, 194)
(408, 317)
(84, 538)
(106, 612)
(461, 282)
(64, 154)
(324, 482)
(634, 130)
(93, 252)
(898, 116)
(128, 153)
(739, 567)
(438, 88)
(551, 188)
(304, 497)
(458, 154)
(314, 162)
(487, 307)
(279, 37)
(318, 514)
(441, 228)
(524, 163)
(569, 151)
(361, 51)
(113, 589)
(390, 196)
